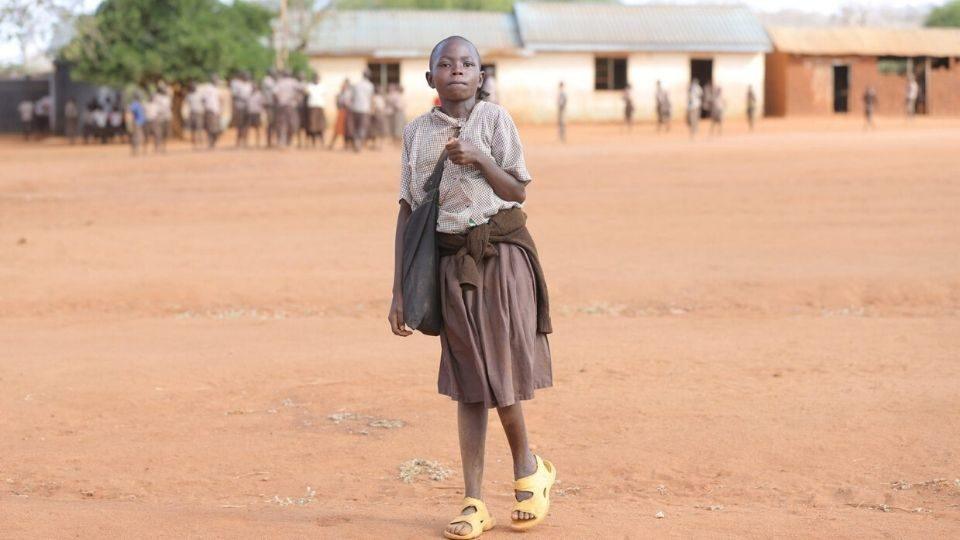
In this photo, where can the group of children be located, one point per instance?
(702, 101)
(35, 116)
(285, 107)
(291, 108)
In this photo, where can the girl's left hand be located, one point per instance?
(462, 152)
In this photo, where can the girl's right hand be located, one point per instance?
(396, 317)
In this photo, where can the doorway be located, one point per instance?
(701, 69)
(841, 88)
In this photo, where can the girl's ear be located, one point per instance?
(429, 76)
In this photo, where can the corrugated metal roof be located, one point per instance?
(616, 27)
(410, 33)
(862, 41)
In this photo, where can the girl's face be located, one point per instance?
(456, 71)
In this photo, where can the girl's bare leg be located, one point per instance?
(472, 424)
(524, 464)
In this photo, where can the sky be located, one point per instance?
(9, 52)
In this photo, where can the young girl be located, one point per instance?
(494, 349)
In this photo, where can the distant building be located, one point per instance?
(819, 71)
(596, 49)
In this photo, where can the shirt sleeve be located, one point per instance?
(506, 148)
(406, 173)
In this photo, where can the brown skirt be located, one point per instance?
(340, 126)
(317, 120)
(491, 352)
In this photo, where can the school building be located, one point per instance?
(595, 49)
(819, 71)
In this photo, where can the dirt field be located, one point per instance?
(757, 335)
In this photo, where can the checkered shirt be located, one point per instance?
(466, 199)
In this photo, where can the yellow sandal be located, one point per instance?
(479, 521)
(538, 483)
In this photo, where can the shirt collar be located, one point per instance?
(438, 113)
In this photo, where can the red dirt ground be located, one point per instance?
(767, 323)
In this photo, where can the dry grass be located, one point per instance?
(434, 470)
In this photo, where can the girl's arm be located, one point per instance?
(504, 184)
(396, 308)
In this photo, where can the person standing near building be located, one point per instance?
(316, 116)
(398, 117)
(212, 109)
(138, 119)
(489, 86)
(101, 123)
(164, 106)
(343, 111)
(662, 105)
(240, 90)
(117, 127)
(561, 113)
(71, 120)
(716, 111)
(285, 94)
(194, 103)
(89, 124)
(41, 115)
(302, 126)
(913, 93)
(25, 108)
(378, 118)
(869, 103)
(361, 103)
(255, 113)
(694, 106)
(628, 107)
(268, 85)
(751, 106)
(150, 127)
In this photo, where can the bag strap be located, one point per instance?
(434, 181)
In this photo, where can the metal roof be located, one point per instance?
(865, 41)
(652, 27)
(397, 33)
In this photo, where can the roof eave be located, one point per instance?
(634, 48)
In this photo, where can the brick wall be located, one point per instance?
(803, 85)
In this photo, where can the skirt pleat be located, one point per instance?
(491, 352)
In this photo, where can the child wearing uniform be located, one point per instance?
(255, 110)
(494, 348)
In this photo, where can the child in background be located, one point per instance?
(195, 120)
(116, 128)
(316, 116)
(378, 120)
(628, 107)
(71, 120)
(164, 106)
(138, 120)
(255, 111)
(25, 108)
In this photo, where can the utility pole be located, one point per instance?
(282, 46)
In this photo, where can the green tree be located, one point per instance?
(945, 15)
(144, 41)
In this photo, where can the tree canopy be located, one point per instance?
(143, 41)
(945, 15)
